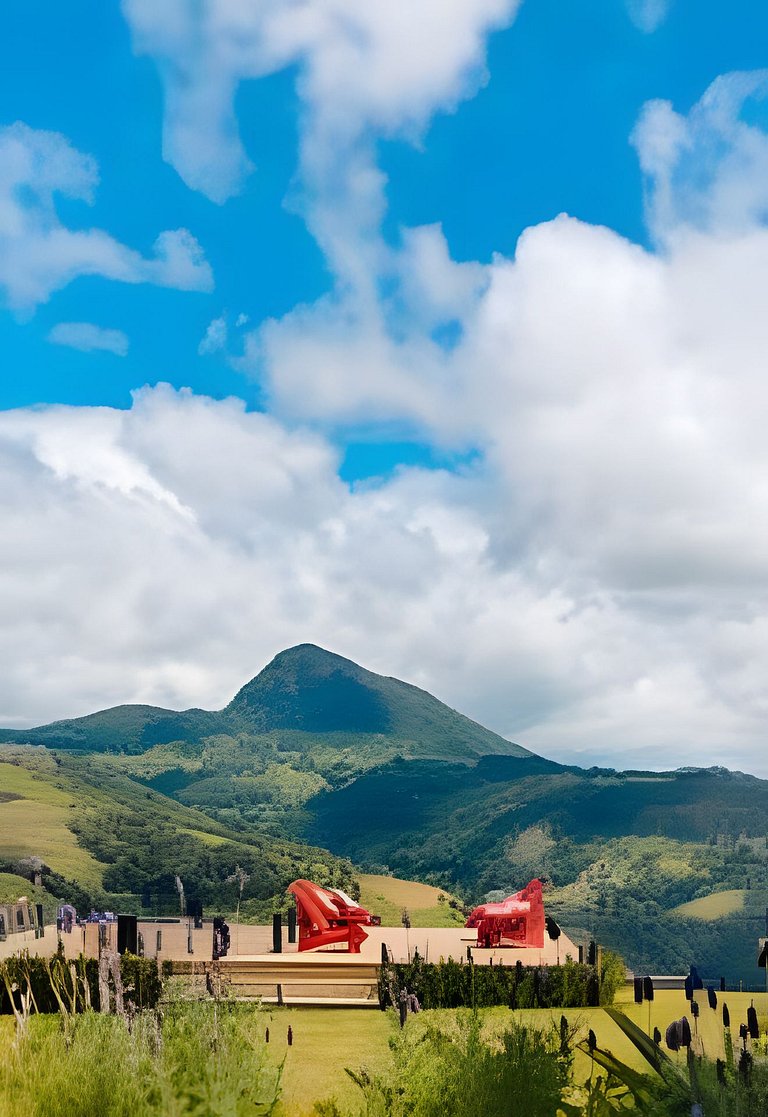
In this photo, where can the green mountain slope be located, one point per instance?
(317, 692)
(304, 690)
(105, 839)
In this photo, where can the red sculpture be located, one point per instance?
(328, 915)
(516, 921)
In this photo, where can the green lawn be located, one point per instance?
(325, 1041)
(328, 1040)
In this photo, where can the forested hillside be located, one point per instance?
(102, 839)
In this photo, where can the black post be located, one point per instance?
(40, 930)
(291, 924)
(127, 934)
(277, 933)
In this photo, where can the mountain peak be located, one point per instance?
(309, 688)
(306, 689)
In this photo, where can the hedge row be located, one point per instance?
(142, 984)
(465, 985)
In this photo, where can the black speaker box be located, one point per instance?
(127, 934)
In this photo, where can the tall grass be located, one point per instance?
(463, 1075)
(194, 1060)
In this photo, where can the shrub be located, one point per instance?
(450, 984)
(77, 982)
(463, 1075)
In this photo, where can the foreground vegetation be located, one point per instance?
(451, 984)
(195, 1060)
(30, 983)
(212, 1060)
(462, 1071)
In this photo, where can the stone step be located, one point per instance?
(302, 979)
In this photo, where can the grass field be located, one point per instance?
(714, 906)
(388, 896)
(36, 824)
(12, 887)
(326, 1041)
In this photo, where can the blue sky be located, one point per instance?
(548, 133)
(510, 455)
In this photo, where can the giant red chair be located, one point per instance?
(327, 917)
(516, 921)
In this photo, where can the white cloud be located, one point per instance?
(87, 337)
(593, 586)
(360, 66)
(215, 337)
(194, 539)
(707, 171)
(648, 15)
(39, 254)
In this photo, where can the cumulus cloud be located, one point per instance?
(87, 337)
(360, 65)
(434, 576)
(707, 171)
(39, 254)
(593, 585)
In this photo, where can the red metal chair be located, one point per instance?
(327, 916)
(516, 921)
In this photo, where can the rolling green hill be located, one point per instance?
(105, 840)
